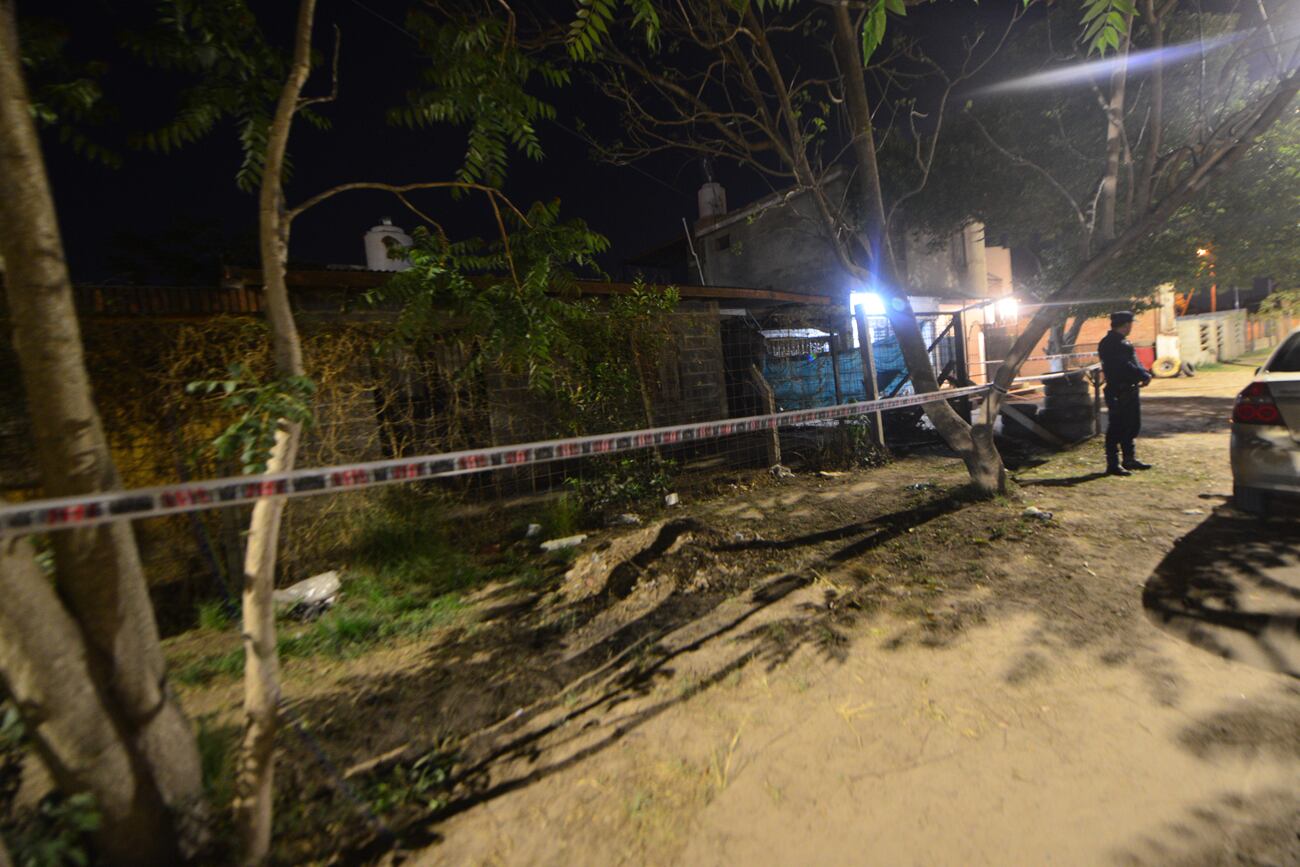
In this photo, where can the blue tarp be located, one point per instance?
(807, 381)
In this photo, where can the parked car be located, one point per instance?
(1266, 431)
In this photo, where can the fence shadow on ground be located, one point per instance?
(1232, 587)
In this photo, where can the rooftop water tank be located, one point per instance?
(379, 240)
(712, 201)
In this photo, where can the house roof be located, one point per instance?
(702, 228)
(327, 280)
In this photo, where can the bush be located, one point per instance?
(611, 484)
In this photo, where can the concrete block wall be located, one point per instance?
(1213, 337)
(692, 383)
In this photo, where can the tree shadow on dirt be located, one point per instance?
(768, 642)
(514, 687)
(1231, 830)
(1232, 587)
(1063, 482)
(1234, 828)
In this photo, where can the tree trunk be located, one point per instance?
(988, 476)
(47, 670)
(255, 780)
(256, 775)
(1155, 127)
(1114, 143)
(1072, 332)
(1055, 340)
(847, 49)
(976, 448)
(100, 580)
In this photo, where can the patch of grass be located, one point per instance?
(215, 616)
(638, 803)
(356, 625)
(218, 747)
(563, 516)
(404, 577)
(56, 832)
(421, 784)
(196, 670)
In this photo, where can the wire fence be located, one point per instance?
(377, 406)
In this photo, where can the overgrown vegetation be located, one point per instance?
(259, 405)
(404, 575)
(1285, 301)
(512, 309)
(54, 833)
(613, 483)
(421, 785)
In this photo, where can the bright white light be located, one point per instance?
(1091, 71)
(871, 303)
(1008, 308)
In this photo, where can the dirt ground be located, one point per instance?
(863, 668)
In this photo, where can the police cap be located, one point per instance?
(1121, 317)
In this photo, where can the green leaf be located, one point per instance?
(873, 30)
(1100, 7)
(1094, 28)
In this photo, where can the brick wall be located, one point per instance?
(692, 380)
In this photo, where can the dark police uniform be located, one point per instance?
(1124, 376)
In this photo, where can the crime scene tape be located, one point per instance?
(1043, 377)
(84, 510)
(1042, 357)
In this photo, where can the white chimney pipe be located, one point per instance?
(378, 242)
(713, 201)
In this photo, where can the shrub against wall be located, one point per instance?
(374, 399)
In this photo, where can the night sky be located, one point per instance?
(173, 218)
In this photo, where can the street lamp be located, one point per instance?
(1207, 254)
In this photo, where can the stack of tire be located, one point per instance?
(1068, 409)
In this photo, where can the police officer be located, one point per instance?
(1124, 376)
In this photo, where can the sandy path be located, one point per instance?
(1030, 736)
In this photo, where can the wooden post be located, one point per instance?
(1095, 376)
(769, 406)
(869, 368)
(835, 367)
(959, 345)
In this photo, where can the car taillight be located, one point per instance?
(1255, 406)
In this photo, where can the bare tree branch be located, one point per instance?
(334, 76)
(295, 212)
(1034, 167)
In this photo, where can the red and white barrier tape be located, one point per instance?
(79, 511)
(1092, 354)
(1043, 377)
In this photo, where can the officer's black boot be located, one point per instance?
(1132, 463)
(1113, 466)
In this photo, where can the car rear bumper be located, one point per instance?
(1265, 457)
